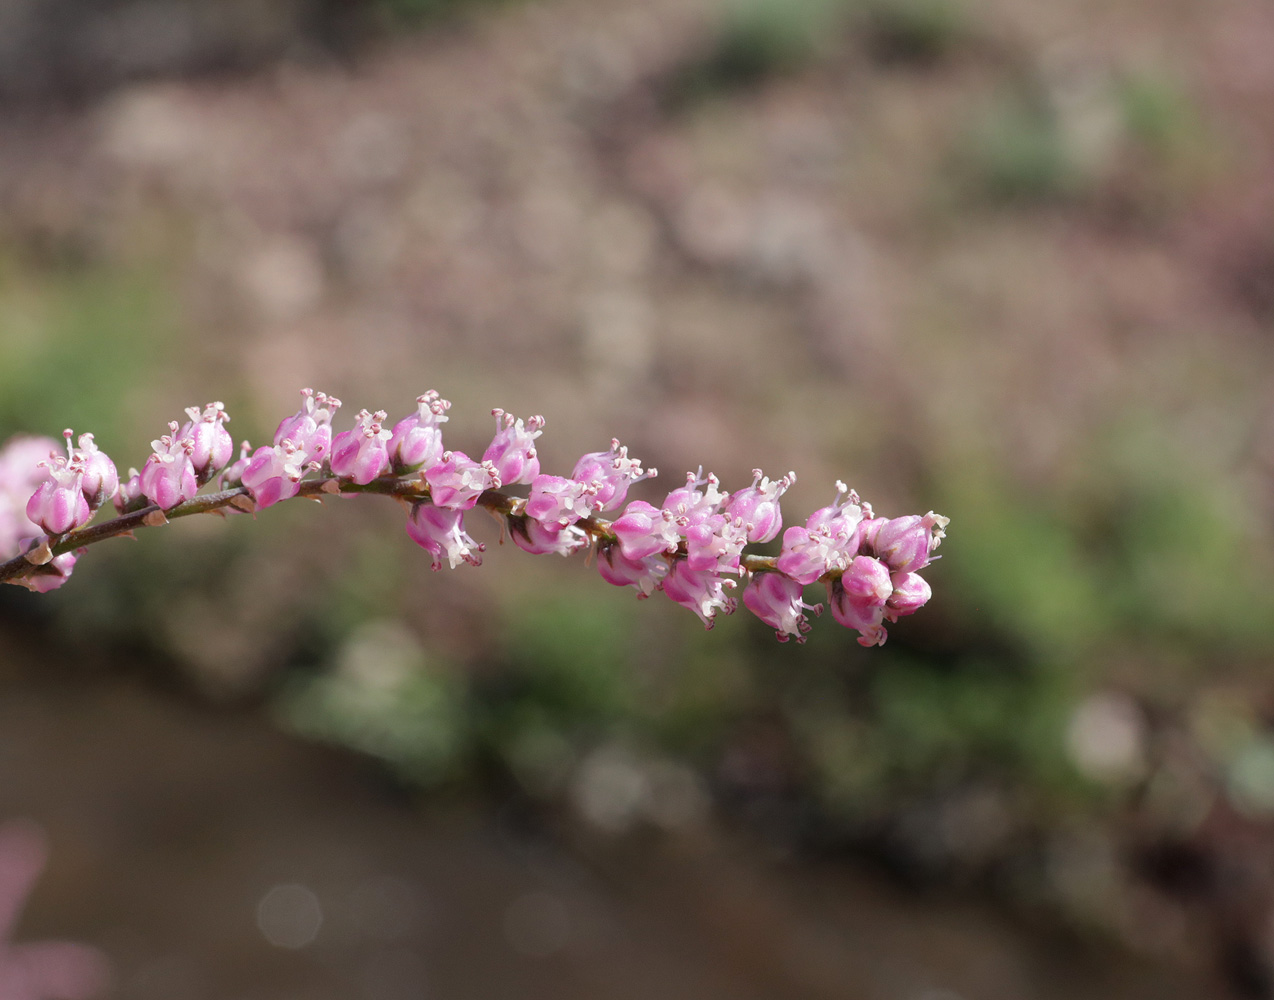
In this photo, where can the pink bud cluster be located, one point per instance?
(26, 466)
(692, 546)
(181, 461)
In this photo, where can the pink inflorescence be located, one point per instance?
(693, 546)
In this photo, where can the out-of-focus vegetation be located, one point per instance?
(1087, 135)
(70, 337)
(758, 39)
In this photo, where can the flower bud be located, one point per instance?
(58, 504)
(906, 542)
(867, 582)
(758, 506)
(274, 473)
(168, 477)
(61, 502)
(52, 574)
(557, 500)
(611, 472)
(868, 620)
(100, 478)
(617, 569)
(310, 428)
(911, 593)
(440, 532)
(777, 601)
(646, 530)
(512, 450)
(211, 445)
(806, 555)
(690, 504)
(702, 593)
(362, 454)
(457, 481)
(417, 439)
(840, 519)
(715, 544)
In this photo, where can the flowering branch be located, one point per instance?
(692, 547)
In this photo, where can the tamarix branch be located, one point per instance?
(693, 546)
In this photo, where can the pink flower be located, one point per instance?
(826, 543)
(557, 500)
(457, 481)
(100, 478)
(715, 544)
(58, 504)
(777, 601)
(23, 467)
(440, 532)
(866, 619)
(906, 542)
(702, 593)
(168, 477)
(53, 573)
(310, 428)
(690, 504)
(417, 439)
(911, 593)
(758, 506)
(616, 568)
(274, 474)
(841, 517)
(539, 539)
(645, 530)
(867, 582)
(612, 472)
(512, 450)
(211, 444)
(362, 454)
(807, 555)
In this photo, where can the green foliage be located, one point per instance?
(1191, 565)
(572, 654)
(1016, 152)
(385, 698)
(1016, 567)
(1135, 137)
(70, 339)
(978, 716)
(757, 39)
(1158, 114)
(915, 31)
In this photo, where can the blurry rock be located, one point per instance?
(148, 127)
(283, 278)
(1106, 738)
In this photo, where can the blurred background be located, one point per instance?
(1012, 260)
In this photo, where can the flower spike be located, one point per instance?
(693, 547)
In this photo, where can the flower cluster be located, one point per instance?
(692, 546)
